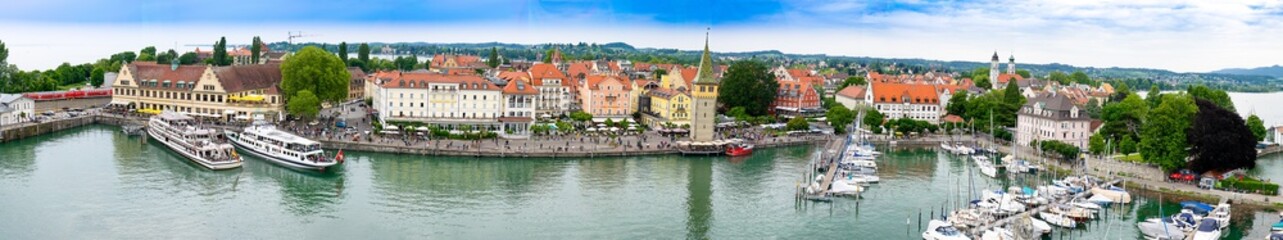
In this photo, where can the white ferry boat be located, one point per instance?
(200, 145)
(264, 140)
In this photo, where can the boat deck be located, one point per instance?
(1030, 212)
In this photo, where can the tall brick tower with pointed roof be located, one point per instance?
(705, 94)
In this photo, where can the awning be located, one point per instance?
(119, 102)
(422, 129)
(390, 127)
(252, 98)
(229, 112)
(242, 117)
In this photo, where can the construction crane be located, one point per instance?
(299, 34)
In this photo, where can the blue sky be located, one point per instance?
(1181, 35)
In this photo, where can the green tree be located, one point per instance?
(1011, 95)
(1023, 73)
(547, 57)
(493, 60)
(873, 119)
(1257, 127)
(739, 114)
(958, 104)
(797, 124)
(1096, 144)
(166, 57)
(1124, 118)
(581, 116)
(343, 51)
(839, 117)
(188, 58)
(1163, 140)
(304, 104)
(406, 63)
(1215, 96)
(1093, 108)
(147, 54)
(256, 48)
(315, 70)
(1220, 140)
(220, 57)
(363, 54)
(1127, 145)
(853, 81)
(1153, 97)
(1059, 77)
(748, 84)
(4, 53)
(1080, 77)
(980, 76)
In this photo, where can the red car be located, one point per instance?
(1184, 175)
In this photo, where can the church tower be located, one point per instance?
(1011, 65)
(993, 70)
(705, 94)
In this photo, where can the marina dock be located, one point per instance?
(1031, 212)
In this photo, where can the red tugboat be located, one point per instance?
(739, 149)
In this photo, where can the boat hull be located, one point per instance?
(173, 147)
(278, 160)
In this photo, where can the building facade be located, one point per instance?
(924, 102)
(14, 109)
(554, 90)
(518, 107)
(667, 108)
(607, 97)
(851, 97)
(229, 93)
(1053, 117)
(452, 102)
(797, 95)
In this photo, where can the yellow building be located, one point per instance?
(667, 107)
(232, 92)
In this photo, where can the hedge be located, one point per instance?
(1251, 185)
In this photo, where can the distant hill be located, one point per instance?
(1272, 71)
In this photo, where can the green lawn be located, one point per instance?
(71, 86)
(1135, 157)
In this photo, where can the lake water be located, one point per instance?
(94, 183)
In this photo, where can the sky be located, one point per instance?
(1183, 36)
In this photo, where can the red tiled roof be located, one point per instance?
(540, 71)
(575, 70)
(421, 80)
(519, 86)
(856, 92)
(461, 60)
(1004, 77)
(952, 118)
(595, 81)
(899, 92)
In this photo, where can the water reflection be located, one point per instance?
(303, 193)
(699, 204)
(432, 185)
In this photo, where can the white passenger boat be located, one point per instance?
(202, 146)
(265, 141)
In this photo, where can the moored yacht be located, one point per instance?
(264, 140)
(200, 145)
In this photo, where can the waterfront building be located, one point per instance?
(1052, 116)
(356, 84)
(797, 95)
(518, 107)
(554, 90)
(15, 108)
(704, 92)
(667, 106)
(1276, 134)
(607, 97)
(446, 100)
(851, 96)
(638, 92)
(917, 101)
(228, 92)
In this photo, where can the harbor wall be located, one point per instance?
(26, 130)
(384, 148)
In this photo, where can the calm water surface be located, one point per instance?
(93, 182)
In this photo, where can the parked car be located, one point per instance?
(1183, 175)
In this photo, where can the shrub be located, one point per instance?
(1251, 185)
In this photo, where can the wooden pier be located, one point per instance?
(977, 231)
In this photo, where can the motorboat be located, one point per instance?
(1160, 231)
(1116, 194)
(1040, 225)
(1100, 200)
(1275, 236)
(842, 188)
(969, 217)
(1207, 229)
(1075, 213)
(861, 179)
(263, 140)
(1221, 214)
(947, 148)
(862, 163)
(738, 149)
(1057, 219)
(997, 233)
(201, 145)
(942, 230)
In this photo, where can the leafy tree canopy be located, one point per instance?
(315, 70)
(748, 84)
(304, 104)
(1219, 140)
(1163, 136)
